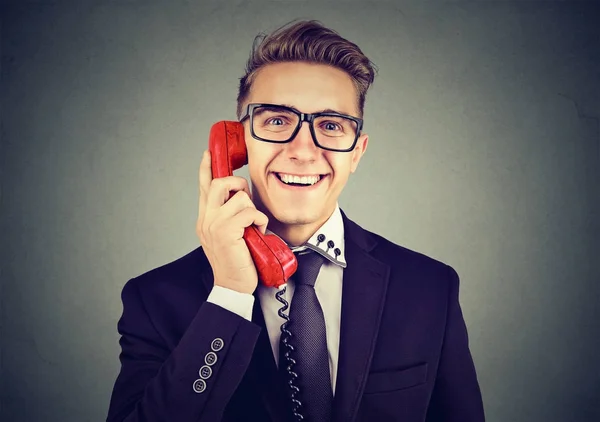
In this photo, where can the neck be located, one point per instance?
(293, 234)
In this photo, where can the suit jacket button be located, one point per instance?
(217, 344)
(205, 372)
(210, 358)
(199, 386)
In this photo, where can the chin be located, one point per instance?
(296, 216)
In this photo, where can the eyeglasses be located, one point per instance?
(280, 124)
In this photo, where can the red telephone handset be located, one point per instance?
(274, 261)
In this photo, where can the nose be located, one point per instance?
(302, 147)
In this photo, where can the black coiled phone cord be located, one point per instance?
(286, 335)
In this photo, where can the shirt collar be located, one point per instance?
(328, 240)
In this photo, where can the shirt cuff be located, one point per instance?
(236, 302)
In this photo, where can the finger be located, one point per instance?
(221, 188)
(249, 216)
(261, 224)
(205, 172)
(238, 202)
(204, 180)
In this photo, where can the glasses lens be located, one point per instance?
(274, 123)
(335, 132)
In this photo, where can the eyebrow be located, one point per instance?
(325, 110)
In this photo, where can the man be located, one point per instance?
(380, 334)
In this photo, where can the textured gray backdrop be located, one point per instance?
(484, 153)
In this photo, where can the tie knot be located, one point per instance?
(309, 264)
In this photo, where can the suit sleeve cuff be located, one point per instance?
(236, 302)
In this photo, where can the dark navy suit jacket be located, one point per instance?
(404, 353)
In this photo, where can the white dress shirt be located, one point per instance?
(328, 288)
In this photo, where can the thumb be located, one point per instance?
(261, 222)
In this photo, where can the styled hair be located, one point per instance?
(311, 42)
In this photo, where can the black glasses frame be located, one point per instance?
(303, 117)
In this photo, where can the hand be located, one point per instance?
(220, 228)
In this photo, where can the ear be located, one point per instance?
(359, 150)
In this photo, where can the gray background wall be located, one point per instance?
(484, 153)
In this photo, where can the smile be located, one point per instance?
(304, 181)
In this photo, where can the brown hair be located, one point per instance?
(308, 41)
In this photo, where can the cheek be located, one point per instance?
(340, 165)
(255, 164)
(260, 154)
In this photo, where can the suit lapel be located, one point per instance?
(364, 287)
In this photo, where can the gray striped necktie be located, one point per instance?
(307, 327)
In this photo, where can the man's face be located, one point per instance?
(308, 88)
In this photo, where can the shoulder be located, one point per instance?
(409, 265)
(410, 259)
(426, 280)
(172, 281)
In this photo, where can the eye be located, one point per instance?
(331, 126)
(276, 121)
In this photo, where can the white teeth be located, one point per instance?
(304, 180)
